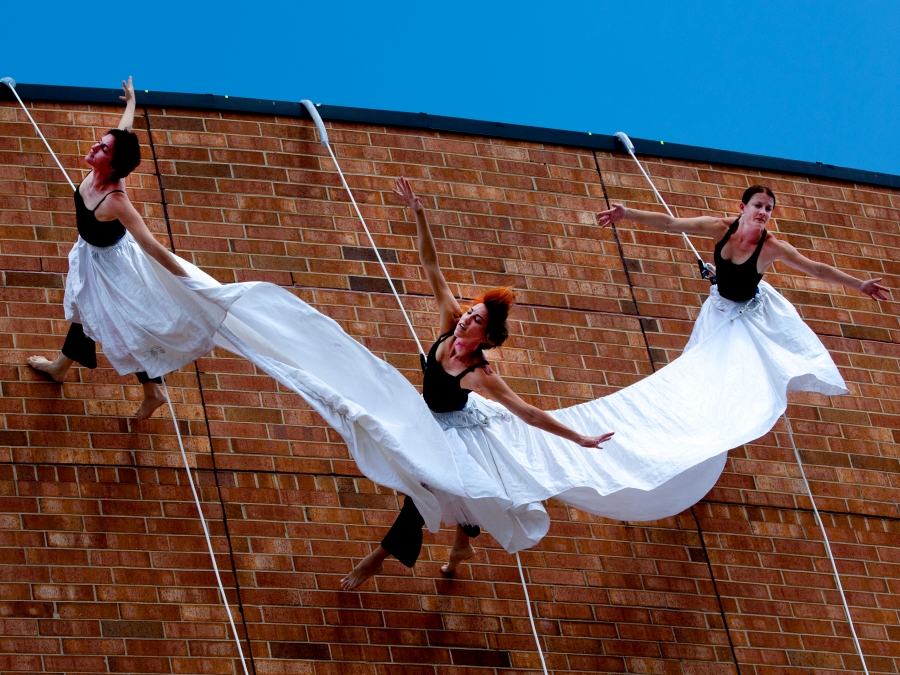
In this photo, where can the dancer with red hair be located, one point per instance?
(456, 367)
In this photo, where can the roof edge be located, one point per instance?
(516, 132)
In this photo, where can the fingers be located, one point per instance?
(597, 441)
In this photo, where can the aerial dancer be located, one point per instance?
(744, 251)
(746, 239)
(456, 366)
(146, 326)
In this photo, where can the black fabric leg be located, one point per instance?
(404, 539)
(143, 379)
(79, 347)
(471, 531)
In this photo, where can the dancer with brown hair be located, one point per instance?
(456, 366)
(746, 239)
(113, 296)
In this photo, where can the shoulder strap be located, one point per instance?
(468, 370)
(433, 351)
(104, 199)
(762, 240)
(731, 230)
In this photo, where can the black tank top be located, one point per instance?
(93, 231)
(442, 392)
(737, 282)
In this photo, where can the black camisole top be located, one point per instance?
(442, 392)
(93, 231)
(737, 282)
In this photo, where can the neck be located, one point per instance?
(750, 226)
(101, 178)
(466, 347)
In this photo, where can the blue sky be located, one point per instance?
(816, 80)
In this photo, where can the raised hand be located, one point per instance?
(405, 194)
(613, 215)
(128, 90)
(595, 441)
(874, 290)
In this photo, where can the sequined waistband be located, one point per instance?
(470, 416)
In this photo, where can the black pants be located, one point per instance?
(404, 539)
(80, 348)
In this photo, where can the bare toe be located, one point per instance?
(360, 575)
(48, 368)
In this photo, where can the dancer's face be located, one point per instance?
(101, 153)
(472, 327)
(758, 210)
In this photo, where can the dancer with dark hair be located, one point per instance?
(112, 295)
(745, 239)
(455, 367)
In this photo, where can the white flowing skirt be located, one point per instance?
(673, 429)
(146, 321)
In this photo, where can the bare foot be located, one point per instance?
(457, 555)
(152, 400)
(55, 369)
(367, 568)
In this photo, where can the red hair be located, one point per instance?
(498, 302)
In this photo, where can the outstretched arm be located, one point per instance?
(791, 257)
(128, 116)
(133, 222)
(447, 304)
(705, 225)
(486, 380)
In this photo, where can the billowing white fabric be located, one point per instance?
(150, 320)
(673, 428)
(483, 465)
(145, 321)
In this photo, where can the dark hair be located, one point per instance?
(498, 302)
(126, 153)
(755, 190)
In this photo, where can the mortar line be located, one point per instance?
(593, 312)
(334, 474)
(212, 451)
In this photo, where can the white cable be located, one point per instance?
(212, 554)
(537, 640)
(375, 248)
(837, 576)
(663, 202)
(13, 90)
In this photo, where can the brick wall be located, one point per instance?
(104, 565)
